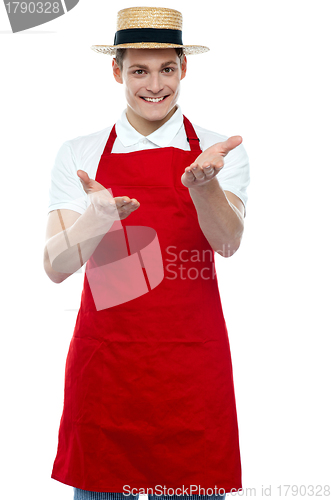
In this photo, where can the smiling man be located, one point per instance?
(149, 404)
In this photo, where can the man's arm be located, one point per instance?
(53, 230)
(71, 238)
(220, 215)
(235, 201)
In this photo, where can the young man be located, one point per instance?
(149, 397)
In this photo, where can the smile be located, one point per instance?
(154, 99)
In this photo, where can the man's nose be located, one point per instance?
(154, 84)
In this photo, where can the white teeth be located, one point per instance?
(151, 99)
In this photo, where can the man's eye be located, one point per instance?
(168, 70)
(137, 71)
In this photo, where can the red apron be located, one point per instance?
(149, 395)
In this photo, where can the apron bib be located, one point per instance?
(149, 395)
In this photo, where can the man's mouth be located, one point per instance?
(154, 99)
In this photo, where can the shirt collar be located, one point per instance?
(161, 137)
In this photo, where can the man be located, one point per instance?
(149, 397)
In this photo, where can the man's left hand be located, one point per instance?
(209, 163)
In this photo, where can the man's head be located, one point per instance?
(150, 74)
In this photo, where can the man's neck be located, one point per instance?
(146, 127)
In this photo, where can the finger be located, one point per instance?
(86, 182)
(91, 186)
(83, 176)
(123, 201)
(198, 173)
(217, 163)
(231, 143)
(189, 171)
(208, 171)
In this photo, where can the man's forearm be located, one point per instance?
(220, 221)
(67, 251)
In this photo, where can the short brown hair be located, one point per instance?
(120, 53)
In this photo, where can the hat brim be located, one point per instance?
(187, 49)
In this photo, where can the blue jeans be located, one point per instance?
(94, 495)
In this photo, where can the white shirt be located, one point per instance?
(84, 152)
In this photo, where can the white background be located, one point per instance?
(267, 78)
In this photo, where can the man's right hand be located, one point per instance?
(103, 201)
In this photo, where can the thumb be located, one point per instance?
(231, 143)
(86, 182)
(89, 185)
(83, 176)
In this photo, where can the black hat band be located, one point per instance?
(138, 35)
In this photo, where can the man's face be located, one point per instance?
(152, 83)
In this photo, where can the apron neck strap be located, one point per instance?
(190, 132)
(191, 135)
(110, 141)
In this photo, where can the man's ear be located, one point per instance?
(116, 71)
(184, 67)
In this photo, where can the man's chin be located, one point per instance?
(147, 120)
(156, 115)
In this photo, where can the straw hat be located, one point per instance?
(149, 28)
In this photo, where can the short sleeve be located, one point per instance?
(235, 174)
(66, 190)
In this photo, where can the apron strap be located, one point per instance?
(110, 142)
(191, 135)
(190, 132)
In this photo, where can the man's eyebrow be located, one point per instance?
(138, 66)
(168, 63)
(143, 66)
